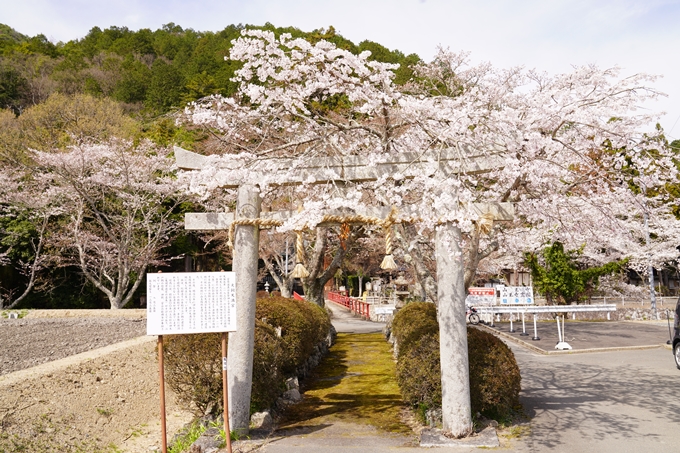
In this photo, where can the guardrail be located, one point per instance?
(358, 306)
(640, 300)
(498, 309)
(522, 310)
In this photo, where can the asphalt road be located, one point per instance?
(609, 402)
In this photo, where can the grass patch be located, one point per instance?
(104, 412)
(354, 383)
(20, 313)
(184, 440)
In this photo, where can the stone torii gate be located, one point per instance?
(456, 412)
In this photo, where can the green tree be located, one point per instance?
(165, 87)
(561, 278)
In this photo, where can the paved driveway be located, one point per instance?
(618, 402)
(585, 335)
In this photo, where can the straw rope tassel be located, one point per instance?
(299, 271)
(485, 224)
(388, 262)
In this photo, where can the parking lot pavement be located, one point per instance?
(590, 335)
(606, 402)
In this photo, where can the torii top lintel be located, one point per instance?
(354, 168)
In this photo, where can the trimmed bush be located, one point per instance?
(495, 379)
(419, 372)
(193, 363)
(193, 370)
(412, 322)
(303, 326)
(268, 361)
(494, 374)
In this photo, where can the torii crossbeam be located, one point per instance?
(456, 411)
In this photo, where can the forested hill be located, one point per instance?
(151, 72)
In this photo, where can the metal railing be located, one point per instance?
(623, 301)
(357, 306)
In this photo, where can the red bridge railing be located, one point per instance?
(356, 305)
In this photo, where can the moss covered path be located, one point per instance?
(351, 402)
(355, 383)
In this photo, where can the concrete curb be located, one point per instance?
(538, 350)
(487, 438)
(133, 313)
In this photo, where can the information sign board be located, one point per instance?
(384, 310)
(190, 302)
(517, 295)
(481, 296)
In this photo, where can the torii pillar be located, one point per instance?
(242, 341)
(455, 370)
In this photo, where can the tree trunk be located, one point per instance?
(475, 256)
(318, 277)
(284, 282)
(427, 283)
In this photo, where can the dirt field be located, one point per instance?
(91, 393)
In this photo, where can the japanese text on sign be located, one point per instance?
(481, 296)
(517, 295)
(190, 302)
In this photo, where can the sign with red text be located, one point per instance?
(190, 302)
(481, 296)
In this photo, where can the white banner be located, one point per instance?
(517, 295)
(190, 302)
(384, 310)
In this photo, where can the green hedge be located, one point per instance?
(412, 322)
(494, 375)
(303, 326)
(193, 363)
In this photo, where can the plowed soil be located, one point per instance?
(80, 384)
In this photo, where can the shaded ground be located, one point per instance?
(586, 335)
(610, 402)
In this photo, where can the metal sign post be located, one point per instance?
(191, 302)
(225, 394)
(161, 371)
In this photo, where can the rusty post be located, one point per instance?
(225, 394)
(164, 434)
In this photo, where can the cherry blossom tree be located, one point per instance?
(120, 202)
(25, 217)
(567, 150)
(278, 261)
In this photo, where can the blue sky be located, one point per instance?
(550, 35)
